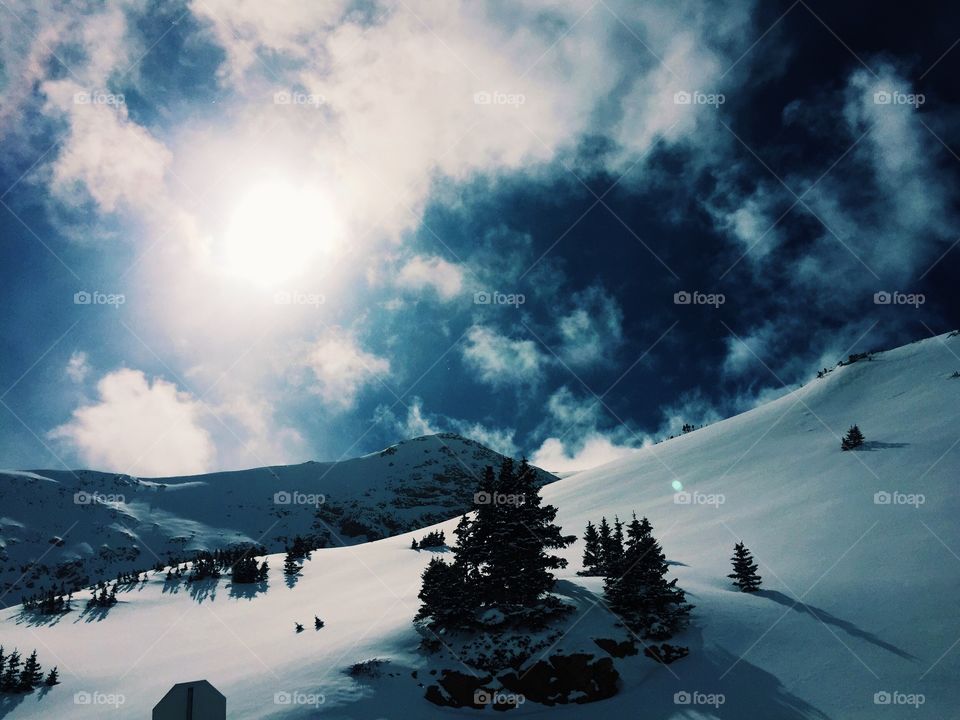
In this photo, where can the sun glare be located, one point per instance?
(276, 230)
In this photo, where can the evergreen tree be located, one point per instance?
(592, 553)
(263, 571)
(11, 675)
(413, 544)
(290, 565)
(502, 558)
(744, 573)
(53, 678)
(638, 591)
(612, 545)
(606, 540)
(853, 439)
(317, 623)
(245, 571)
(298, 627)
(32, 674)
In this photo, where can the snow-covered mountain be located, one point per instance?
(857, 617)
(84, 526)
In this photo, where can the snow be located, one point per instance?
(859, 596)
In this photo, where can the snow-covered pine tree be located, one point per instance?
(592, 554)
(744, 573)
(32, 673)
(853, 439)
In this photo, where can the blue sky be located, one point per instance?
(235, 236)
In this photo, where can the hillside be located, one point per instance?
(859, 594)
(83, 526)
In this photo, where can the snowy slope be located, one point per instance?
(859, 597)
(87, 525)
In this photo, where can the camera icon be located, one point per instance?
(682, 498)
(482, 697)
(682, 298)
(882, 498)
(82, 698)
(482, 98)
(682, 698)
(282, 98)
(82, 498)
(82, 298)
(882, 298)
(282, 297)
(882, 97)
(882, 698)
(282, 698)
(682, 98)
(482, 498)
(482, 298)
(81, 98)
(282, 498)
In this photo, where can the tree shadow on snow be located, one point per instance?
(205, 589)
(247, 591)
(877, 445)
(748, 691)
(825, 617)
(36, 619)
(9, 702)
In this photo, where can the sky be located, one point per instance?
(237, 234)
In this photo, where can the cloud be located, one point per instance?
(592, 332)
(342, 369)
(78, 367)
(432, 272)
(500, 360)
(139, 427)
(594, 450)
(576, 440)
(417, 422)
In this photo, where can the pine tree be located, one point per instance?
(606, 540)
(744, 573)
(53, 678)
(638, 591)
(317, 623)
(853, 439)
(32, 673)
(298, 627)
(11, 676)
(290, 565)
(446, 600)
(413, 544)
(263, 571)
(592, 553)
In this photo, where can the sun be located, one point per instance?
(276, 230)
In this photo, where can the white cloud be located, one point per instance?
(592, 331)
(342, 369)
(139, 427)
(594, 450)
(576, 441)
(500, 360)
(444, 277)
(78, 367)
(417, 422)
